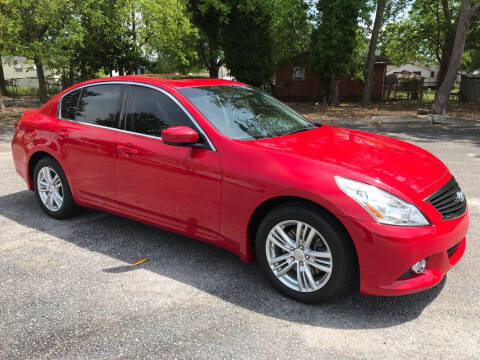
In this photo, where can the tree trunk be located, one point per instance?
(444, 60)
(443, 94)
(63, 80)
(367, 88)
(3, 85)
(213, 70)
(42, 84)
(70, 75)
(2, 105)
(334, 91)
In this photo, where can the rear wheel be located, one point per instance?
(304, 253)
(52, 190)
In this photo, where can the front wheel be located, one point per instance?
(304, 253)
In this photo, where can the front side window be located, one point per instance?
(101, 104)
(149, 111)
(244, 113)
(69, 105)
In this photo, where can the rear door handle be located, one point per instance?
(127, 150)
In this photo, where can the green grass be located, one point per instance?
(26, 91)
(22, 90)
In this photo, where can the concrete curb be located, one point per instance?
(429, 120)
(438, 120)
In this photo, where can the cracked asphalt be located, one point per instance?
(67, 290)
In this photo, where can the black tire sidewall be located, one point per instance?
(334, 237)
(68, 204)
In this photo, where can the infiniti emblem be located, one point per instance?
(460, 196)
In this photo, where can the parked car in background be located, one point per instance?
(321, 208)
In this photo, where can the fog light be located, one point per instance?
(419, 266)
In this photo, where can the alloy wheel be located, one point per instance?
(299, 256)
(50, 188)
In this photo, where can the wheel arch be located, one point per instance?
(264, 208)
(33, 161)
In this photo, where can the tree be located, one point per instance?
(443, 94)
(248, 42)
(367, 88)
(334, 41)
(5, 26)
(82, 39)
(210, 17)
(425, 36)
(384, 10)
(33, 25)
(3, 85)
(291, 28)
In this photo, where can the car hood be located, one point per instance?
(393, 162)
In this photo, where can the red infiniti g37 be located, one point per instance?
(321, 208)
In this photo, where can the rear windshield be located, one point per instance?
(245, 113)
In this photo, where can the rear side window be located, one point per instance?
(69, 105)
(149, 111)
(101, 104)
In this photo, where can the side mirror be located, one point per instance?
(180, 136)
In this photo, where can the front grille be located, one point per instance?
(449, 200)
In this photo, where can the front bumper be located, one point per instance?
(385, 253)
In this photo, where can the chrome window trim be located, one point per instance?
(114, 82)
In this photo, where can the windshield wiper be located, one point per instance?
(299, 130)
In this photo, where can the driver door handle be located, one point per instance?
(127, 150)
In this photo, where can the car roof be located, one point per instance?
(171, 80)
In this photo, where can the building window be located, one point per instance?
(432, 74)
(18, 68)
(298, 73)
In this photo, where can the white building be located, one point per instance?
(429, 73)
(23, 71)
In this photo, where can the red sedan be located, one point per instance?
(321, 208)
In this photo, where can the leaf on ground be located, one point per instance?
(140, 261)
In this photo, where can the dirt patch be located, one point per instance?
(18, 105)
(357, 112)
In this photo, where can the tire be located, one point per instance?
(328, 277)
(58, 187)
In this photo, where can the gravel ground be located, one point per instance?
(67, 290)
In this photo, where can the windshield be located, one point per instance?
(244, 113)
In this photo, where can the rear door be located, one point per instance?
(85, 131)
(174, 186)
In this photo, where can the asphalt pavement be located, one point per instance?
(67, 290)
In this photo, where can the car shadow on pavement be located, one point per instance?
(208, 268)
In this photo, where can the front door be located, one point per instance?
(176, 187)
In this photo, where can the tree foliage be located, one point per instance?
(85, 38)
(270, 31)
(334, 41)
(248, 42)
(426, 35)
(32, 29)
(210, 17)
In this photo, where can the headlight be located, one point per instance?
(385, 208)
